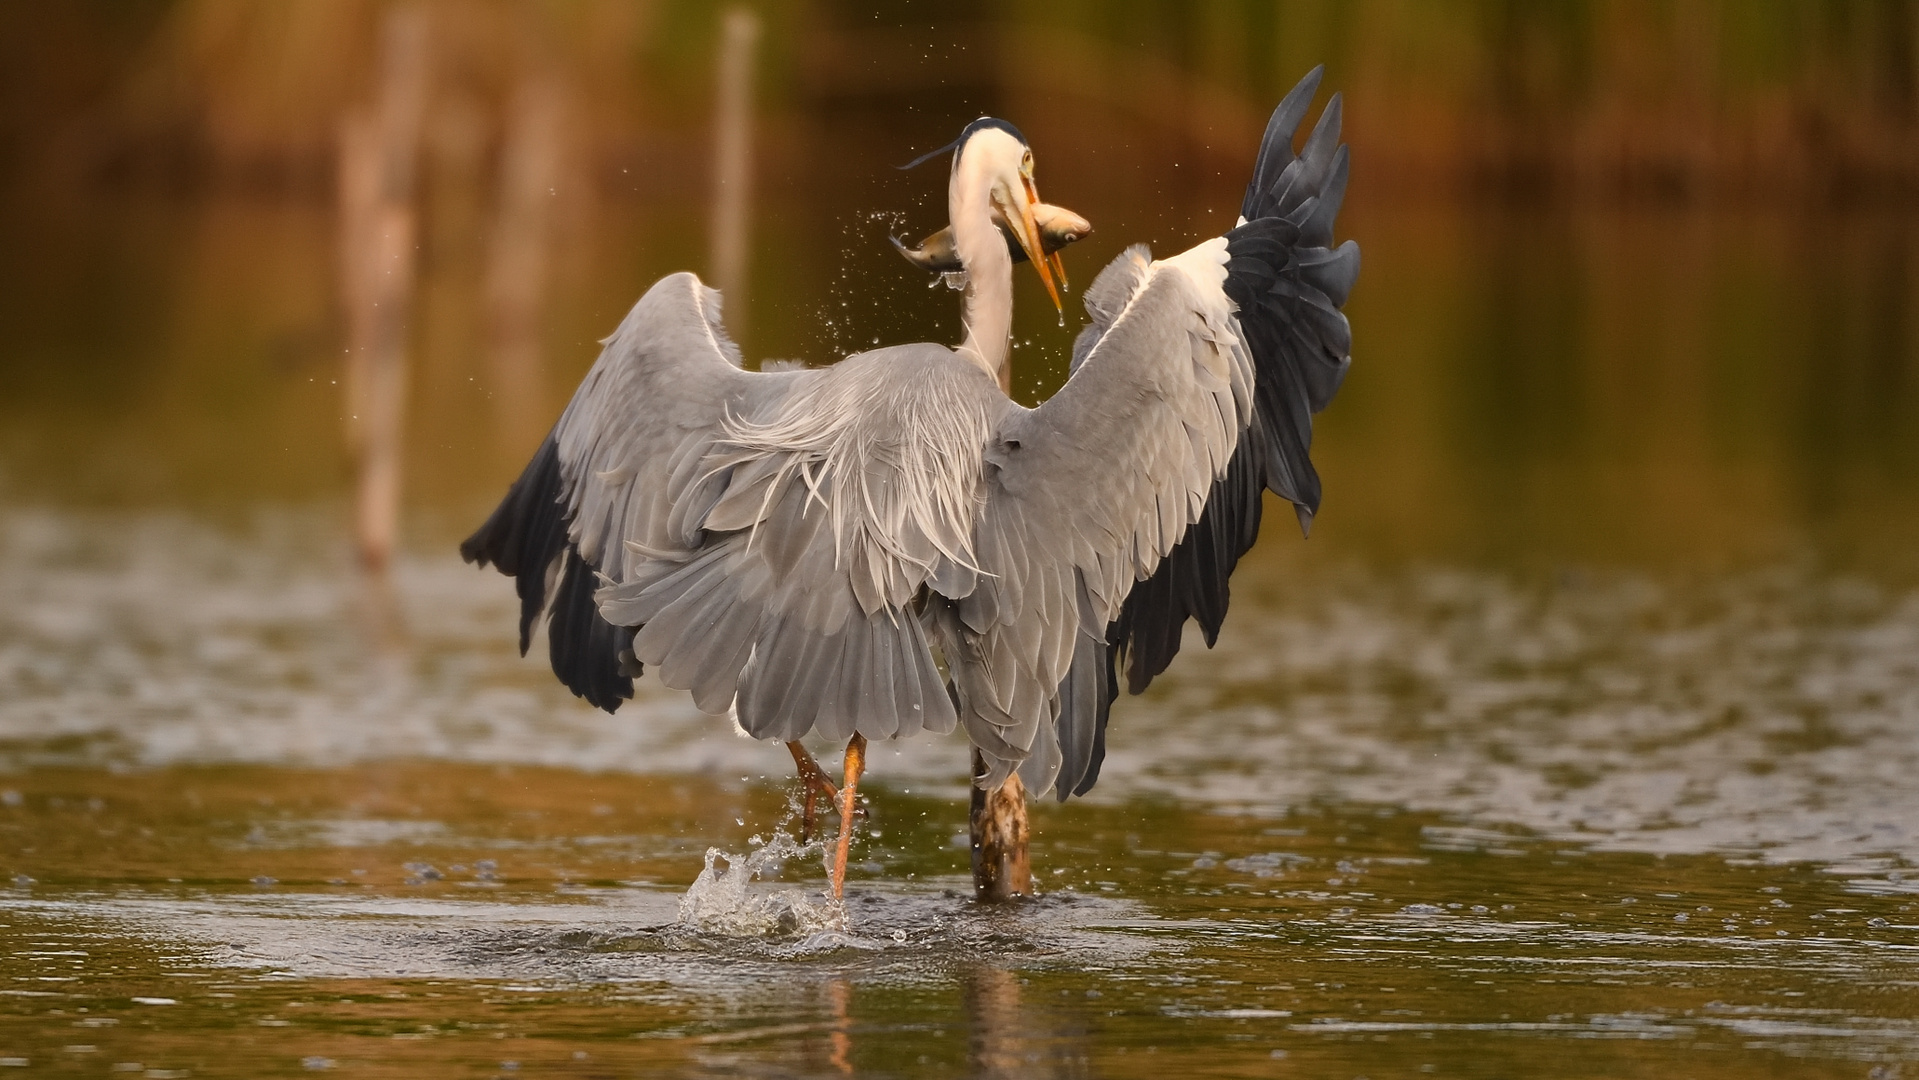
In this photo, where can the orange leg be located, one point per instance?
(816, 783)
(849, 783)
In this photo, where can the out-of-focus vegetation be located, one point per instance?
(1639, 276)
(1661, 99)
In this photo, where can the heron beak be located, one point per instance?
(1026, 231)
(1059, 227)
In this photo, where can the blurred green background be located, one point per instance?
(1638, 288)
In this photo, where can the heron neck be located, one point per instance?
(987, 309)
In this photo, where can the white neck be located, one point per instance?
(987, 310)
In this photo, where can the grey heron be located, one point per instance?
(821, 551)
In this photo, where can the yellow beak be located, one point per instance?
(1026, 231)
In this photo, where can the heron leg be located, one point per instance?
(815, 781)
(849, 784)
(1002, 866)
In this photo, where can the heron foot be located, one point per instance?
(815, 784)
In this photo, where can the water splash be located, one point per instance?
(724, 901)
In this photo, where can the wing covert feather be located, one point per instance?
(616, 467)
(1087, 493)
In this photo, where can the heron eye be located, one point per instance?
(1026, 164)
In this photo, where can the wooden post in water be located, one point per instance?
(378, 147)
(733, 163)
(1002, 869)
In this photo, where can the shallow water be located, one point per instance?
(495, 914)
(1581, 740)
(1400, 822)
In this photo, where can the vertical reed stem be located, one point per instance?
(377, 242)
(733, 163)
(518, 260)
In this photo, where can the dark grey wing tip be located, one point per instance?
(1326, 131)
(523, 538)
(1276, 146)
(1109, 691)
(583, 648)
(1317, 227)
(1085, 700)
(1287, 286)
(525, 534)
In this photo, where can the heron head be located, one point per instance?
(994, 154)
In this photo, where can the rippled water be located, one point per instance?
(1401, 822)
(1329, 936)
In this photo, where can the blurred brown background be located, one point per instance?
(1596, 687)
(1639, 275)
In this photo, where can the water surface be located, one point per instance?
(1402, 821)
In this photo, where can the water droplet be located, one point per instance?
(723, 901)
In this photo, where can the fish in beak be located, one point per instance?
(1058, 227)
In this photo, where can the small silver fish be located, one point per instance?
(1058, 227)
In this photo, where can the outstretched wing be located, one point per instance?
(1118, 509)
(1087, 493)
(621, 459)
(759, 539)
(1288, 283)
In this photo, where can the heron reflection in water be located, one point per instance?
(821, 551)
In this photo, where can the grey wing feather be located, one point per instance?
(1085, 495)
(616, 467)
(632, 441)
(791, 595)
(696, 534)
(1107, 297)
